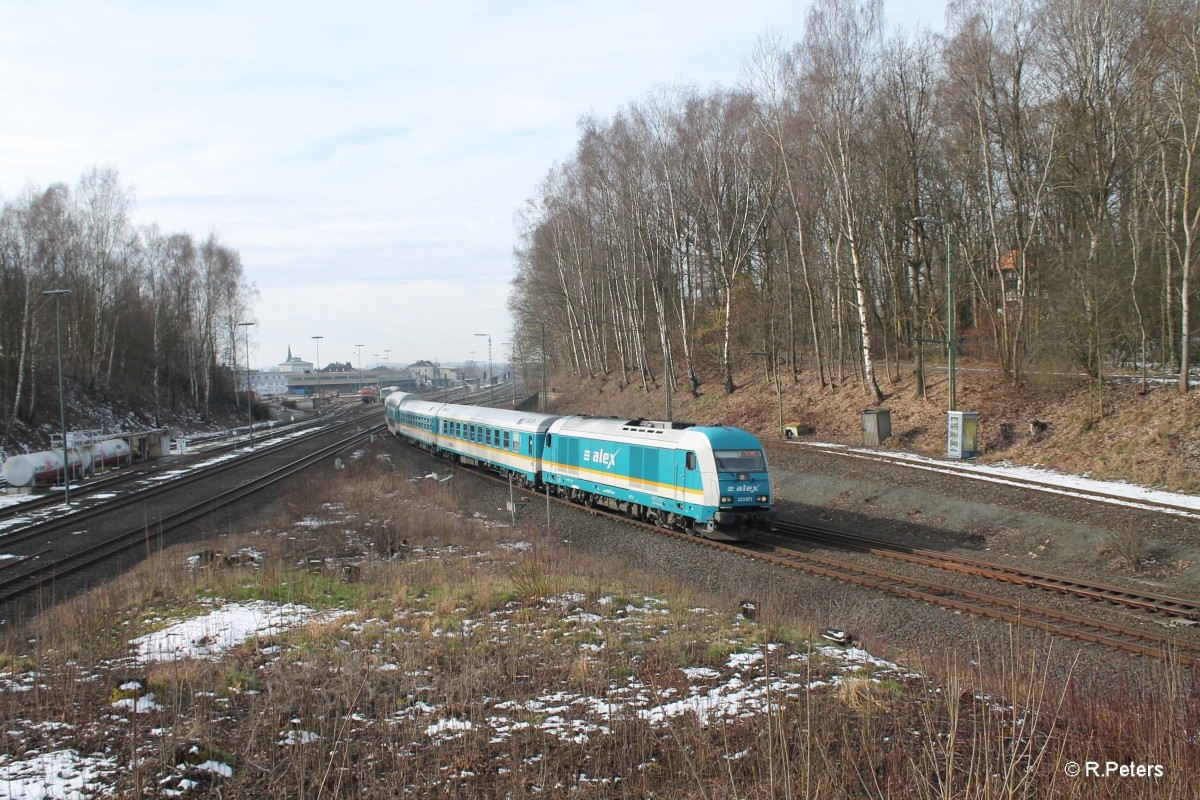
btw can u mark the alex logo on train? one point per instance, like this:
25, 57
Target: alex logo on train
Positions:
742, 488
601, 457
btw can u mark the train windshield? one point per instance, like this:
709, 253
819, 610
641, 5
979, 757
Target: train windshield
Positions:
740, 461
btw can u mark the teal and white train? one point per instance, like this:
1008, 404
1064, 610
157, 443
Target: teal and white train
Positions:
712, 481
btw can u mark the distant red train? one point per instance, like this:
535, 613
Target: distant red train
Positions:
368, 394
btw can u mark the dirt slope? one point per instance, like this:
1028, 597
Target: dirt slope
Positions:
1151, 439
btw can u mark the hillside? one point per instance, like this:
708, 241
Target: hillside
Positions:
1118, 434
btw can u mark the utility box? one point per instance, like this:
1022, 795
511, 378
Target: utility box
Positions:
794, 429
877, 426
962, 434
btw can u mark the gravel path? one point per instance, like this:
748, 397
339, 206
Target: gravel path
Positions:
994, 522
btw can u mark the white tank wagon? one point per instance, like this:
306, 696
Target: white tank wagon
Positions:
47, 466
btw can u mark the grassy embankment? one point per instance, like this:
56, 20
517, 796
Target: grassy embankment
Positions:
469, 664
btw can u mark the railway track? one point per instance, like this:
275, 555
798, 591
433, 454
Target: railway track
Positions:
119, 477
39, 573
1016, 612
1012, 611
80, 514
1145, 502
1116, 595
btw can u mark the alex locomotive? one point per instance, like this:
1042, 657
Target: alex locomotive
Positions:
712, 481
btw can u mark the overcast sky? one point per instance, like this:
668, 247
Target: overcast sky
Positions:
366, 159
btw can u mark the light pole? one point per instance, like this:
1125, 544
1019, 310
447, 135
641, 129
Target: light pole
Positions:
317, 396
62, 403
542, 394
511, 376
249, 405
360, 372
777, 357
487, 376
952, 398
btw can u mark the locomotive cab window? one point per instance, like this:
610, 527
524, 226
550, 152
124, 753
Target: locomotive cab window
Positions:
690, 461
740, 461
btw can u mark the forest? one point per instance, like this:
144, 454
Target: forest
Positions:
151, 318
1021, 185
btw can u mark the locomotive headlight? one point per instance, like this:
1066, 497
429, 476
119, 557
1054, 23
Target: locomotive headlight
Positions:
725, 499
762, 498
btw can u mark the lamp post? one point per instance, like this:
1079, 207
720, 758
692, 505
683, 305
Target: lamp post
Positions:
249, 402
487, 376
317, 396
62, 403
360, 372
511, 376
542, 394
951, 401
776, 358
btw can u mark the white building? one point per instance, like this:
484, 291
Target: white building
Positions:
294, 364
269, 382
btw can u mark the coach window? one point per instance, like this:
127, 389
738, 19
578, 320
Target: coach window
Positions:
489, 436
506, 440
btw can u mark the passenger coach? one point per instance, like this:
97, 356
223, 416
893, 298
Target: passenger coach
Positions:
507, 441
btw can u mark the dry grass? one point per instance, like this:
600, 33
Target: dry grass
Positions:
468, 669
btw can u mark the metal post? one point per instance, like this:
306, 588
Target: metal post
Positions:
487, 376
953, 401
360, 372
542, 394
249, 403
668, 373
317, 396
62, 403
511, 376
951, 378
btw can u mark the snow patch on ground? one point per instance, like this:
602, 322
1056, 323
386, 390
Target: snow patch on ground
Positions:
221, 629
